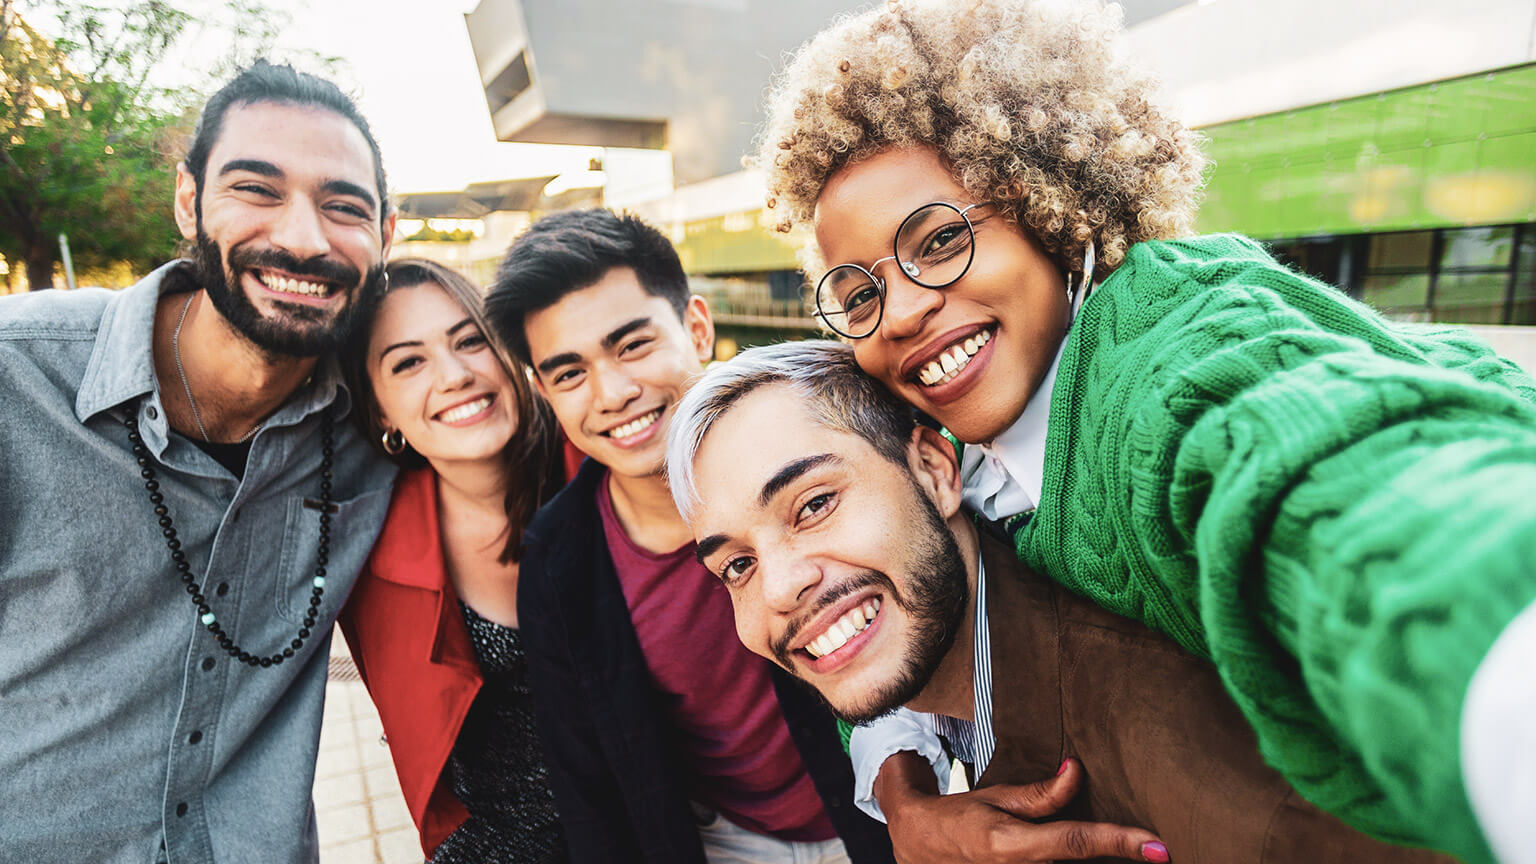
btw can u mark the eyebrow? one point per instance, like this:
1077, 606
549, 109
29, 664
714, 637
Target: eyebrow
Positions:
776, 484
255, 166
347, 187
625, 329
416, 343
267, 169
792, 472
708, 546
550, 364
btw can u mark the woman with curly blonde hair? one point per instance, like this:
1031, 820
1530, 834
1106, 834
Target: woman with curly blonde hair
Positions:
1333, 508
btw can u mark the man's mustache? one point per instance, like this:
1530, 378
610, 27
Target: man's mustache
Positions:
852, 585
321, 268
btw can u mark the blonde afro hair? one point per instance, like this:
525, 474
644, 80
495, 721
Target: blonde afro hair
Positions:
1028, 102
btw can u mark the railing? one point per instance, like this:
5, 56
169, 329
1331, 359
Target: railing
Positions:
747, 312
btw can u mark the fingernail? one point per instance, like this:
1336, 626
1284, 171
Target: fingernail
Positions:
1154, 851
1063, 769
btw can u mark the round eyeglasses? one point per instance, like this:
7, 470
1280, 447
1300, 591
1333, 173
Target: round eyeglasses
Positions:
934, 247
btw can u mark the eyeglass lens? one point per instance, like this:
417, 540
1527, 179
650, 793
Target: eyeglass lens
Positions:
934, 247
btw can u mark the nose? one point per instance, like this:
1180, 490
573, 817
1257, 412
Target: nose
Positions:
299, 231
614, 389
453, 374
908, 305
789, 582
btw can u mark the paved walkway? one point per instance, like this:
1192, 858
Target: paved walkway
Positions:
362, 817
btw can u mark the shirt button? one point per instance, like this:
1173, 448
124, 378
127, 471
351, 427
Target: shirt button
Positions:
195, 737
152, 412
222, 589
207, 664
181, 809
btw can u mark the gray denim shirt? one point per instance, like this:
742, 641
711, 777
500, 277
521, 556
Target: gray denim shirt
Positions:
122, 723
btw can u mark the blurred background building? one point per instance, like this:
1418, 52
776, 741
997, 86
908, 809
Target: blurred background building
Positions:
1385, 146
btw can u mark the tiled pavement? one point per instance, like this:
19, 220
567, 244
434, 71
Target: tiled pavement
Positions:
361, 815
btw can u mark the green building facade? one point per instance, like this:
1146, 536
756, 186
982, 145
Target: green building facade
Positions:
1421, 201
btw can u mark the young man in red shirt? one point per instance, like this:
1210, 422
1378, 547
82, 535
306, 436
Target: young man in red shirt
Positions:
667, 741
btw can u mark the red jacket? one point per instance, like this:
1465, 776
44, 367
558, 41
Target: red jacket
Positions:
410, 644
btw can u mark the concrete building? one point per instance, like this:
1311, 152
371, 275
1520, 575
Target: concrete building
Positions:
1387, 146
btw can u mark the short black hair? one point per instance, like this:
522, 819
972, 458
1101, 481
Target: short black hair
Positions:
568, 251
266, 82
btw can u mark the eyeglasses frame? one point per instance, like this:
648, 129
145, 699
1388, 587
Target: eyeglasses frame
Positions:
880, 284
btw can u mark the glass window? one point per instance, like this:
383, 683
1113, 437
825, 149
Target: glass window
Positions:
1525, 279
1482, 248
1401, 296
1406, 250
1471, 298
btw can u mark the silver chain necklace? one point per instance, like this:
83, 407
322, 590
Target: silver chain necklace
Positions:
187, 388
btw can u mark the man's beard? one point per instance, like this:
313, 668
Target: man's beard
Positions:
936, 600
303, 330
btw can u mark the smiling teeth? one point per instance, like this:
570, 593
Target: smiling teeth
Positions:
636, 426
465, 411
943, 368
844, 628
294, 286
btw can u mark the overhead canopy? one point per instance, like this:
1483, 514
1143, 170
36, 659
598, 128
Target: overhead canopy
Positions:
476, 200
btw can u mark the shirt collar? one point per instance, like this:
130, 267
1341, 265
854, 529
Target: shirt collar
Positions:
122, 366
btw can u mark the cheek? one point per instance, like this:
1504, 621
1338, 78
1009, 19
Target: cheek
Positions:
394, 402
870, 354
751, 629
569, 408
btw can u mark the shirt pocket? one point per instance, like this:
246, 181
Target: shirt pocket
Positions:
300, 554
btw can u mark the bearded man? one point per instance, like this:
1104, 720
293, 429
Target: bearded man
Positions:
183, 505
836, 525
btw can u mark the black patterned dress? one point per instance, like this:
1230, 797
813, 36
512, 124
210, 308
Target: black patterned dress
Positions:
498, 763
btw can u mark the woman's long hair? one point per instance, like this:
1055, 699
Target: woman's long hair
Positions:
535, 470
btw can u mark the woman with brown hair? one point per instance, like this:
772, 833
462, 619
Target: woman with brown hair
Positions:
1333, 508
432, 623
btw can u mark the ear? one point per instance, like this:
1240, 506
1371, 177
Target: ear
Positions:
186, 202
936, 469
389, 234
701, 327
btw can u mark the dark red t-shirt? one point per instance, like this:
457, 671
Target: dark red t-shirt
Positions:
739, 756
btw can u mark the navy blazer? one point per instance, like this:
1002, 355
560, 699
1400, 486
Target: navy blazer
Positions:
614, 761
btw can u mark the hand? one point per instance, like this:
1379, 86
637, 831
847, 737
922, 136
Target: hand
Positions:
991, 825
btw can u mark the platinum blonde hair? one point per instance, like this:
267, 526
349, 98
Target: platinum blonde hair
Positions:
833, 388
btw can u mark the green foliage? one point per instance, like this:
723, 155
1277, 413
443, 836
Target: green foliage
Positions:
89, 137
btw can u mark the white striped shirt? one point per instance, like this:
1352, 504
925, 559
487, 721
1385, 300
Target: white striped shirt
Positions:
973, 743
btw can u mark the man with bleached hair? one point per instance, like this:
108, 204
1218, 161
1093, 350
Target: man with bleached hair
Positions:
836, 523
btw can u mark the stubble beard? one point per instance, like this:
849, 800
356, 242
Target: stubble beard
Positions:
302, 330
935, 600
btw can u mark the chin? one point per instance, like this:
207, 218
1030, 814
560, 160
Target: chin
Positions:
869, 706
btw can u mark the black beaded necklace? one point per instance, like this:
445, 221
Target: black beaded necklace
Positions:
147, 471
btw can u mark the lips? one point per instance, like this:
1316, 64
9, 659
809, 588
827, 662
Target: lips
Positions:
850, 624
284, 284
952, 360
632, 428
465, 410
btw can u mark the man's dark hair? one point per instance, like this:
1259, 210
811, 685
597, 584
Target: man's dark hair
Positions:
566, 252
265, 82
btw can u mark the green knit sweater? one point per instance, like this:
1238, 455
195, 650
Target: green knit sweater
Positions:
1337, 510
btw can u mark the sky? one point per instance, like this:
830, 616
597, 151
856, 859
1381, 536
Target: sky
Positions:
409, 65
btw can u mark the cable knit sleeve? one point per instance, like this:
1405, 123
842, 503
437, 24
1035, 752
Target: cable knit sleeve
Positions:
1338, 511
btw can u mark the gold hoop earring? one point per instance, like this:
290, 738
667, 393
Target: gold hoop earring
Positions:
394, 442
